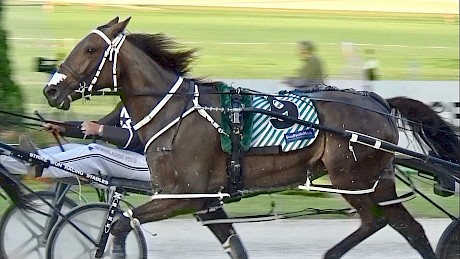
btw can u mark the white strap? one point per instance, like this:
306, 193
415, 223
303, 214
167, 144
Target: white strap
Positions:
98, 72
399, 199
189, 196
310, 187
160, 105
116, 45
163, 130
103, 36
377, 144
131, 135
197, 107
354, 138
205, 114
111, 52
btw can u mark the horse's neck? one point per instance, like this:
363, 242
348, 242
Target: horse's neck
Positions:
144, 83
142, 74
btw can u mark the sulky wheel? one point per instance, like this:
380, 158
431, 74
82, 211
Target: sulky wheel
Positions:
66, 241
22, 233
449, 243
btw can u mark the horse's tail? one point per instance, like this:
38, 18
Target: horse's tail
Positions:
13, 190
429, 128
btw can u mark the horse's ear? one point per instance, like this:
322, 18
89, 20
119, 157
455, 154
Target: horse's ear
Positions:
112, 22
118, 28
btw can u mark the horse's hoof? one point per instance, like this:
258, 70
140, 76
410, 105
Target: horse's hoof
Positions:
118, 252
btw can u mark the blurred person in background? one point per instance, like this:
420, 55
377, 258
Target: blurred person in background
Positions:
353, 63
371, 68
310, 73
413, 69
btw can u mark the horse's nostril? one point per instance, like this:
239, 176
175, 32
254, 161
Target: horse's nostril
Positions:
50, 92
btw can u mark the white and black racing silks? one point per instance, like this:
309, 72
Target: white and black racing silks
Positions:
117, 130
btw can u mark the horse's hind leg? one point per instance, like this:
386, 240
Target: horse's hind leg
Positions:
400, 219
225, 232
371, 222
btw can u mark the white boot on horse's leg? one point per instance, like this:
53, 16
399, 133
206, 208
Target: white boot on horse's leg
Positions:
234, 247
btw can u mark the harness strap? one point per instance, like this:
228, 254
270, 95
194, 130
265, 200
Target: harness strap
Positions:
309, 186
196, 107
205, 114
234, 168
160, 105
167, 127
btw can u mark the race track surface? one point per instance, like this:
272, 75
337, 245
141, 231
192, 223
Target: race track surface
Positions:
283, 239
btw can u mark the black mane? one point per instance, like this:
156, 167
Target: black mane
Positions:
165, 51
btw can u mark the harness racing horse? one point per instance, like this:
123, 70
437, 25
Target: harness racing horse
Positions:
182, 141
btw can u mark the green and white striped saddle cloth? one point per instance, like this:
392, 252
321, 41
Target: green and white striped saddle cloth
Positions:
269, 131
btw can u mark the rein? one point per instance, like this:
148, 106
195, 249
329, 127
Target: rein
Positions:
354, 137
34, 119
37, 126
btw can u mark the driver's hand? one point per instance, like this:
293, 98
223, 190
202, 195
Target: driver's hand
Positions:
53, 128
91, 128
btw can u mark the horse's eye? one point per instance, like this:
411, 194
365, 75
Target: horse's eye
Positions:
90, 50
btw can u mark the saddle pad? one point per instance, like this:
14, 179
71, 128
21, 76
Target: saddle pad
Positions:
269, 131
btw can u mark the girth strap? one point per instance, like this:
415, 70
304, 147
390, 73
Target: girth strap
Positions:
234, 168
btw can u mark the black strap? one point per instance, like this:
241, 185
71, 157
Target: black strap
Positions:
235, 173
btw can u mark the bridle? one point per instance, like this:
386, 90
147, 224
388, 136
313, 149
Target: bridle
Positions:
111, 54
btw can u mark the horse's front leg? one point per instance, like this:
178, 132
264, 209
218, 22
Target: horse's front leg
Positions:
224, 232
151, 211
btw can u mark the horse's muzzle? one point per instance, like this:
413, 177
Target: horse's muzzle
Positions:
55, 99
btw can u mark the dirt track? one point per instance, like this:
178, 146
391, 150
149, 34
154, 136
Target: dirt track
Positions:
413, 6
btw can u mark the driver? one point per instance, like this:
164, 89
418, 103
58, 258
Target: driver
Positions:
126, 160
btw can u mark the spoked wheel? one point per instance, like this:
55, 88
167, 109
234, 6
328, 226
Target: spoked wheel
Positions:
449, 243
66, 241
22, 233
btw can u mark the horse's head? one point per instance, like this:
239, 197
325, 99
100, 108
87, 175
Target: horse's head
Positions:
84, 70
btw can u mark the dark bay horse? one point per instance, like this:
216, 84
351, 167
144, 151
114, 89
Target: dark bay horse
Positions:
185, 157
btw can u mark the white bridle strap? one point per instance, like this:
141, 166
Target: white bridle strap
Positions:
103, 36
111, 52
117, 43
160, 105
